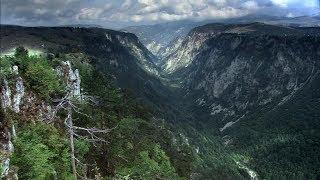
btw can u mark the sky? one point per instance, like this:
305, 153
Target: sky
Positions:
121, 13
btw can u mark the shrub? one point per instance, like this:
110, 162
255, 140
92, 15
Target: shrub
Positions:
41, 153
5, 66
42, 78
21, 52
150, 164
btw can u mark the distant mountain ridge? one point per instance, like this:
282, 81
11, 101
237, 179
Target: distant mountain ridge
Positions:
162, 39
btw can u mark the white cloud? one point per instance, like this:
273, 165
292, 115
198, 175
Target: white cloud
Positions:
126, 4
290, 15
252, 5
312, 3
40, 1
220, 2
40, 11
129, 12
137, 18
89, 14
214, 12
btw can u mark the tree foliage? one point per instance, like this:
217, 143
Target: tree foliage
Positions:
41, 152
135, 141
149, 164
21, 52
42, 78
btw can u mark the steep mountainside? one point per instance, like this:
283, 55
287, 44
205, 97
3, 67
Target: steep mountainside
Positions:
161, 38
194, 42
256, 86
114, 53
61, 105
242, 100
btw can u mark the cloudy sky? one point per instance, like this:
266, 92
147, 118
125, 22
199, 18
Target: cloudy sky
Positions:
120, 13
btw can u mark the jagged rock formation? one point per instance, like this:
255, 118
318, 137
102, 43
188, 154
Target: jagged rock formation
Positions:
25, 102
5, 95
17, 98
73, 78
6, 149
235, 76
14, 101
258, 64
161, 39
186, 50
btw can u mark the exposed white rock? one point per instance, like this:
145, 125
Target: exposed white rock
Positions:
227, 140
59, 71
215, 109
108, 36
265, 101
73, 80
8, 149
201, 102
154, 47
231, 123
166, 51
19, 93
6, 95
184, 56
14, 134
235, 43
46, 113
197, 150
142, 57
77, 82
6, 167
15, 70
253, 175
223, 80
184, 139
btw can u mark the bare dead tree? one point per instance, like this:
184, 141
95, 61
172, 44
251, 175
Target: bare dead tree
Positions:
70, 126
67, 103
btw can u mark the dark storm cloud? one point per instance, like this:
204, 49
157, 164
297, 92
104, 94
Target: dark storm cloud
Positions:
127, 12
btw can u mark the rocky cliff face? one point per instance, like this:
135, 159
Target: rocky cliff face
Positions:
194, 42
234, 69
24, 102
235, 76
116, 54
239, 73
161, 39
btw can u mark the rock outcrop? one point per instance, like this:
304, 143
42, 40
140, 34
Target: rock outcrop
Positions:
17, 99
73, 78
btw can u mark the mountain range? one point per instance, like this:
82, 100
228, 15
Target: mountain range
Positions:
243, 95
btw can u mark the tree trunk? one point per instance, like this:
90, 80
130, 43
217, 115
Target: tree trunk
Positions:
73, 160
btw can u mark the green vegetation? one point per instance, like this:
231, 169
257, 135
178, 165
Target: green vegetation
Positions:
284, 143
136, 146
149, 164
41, 152
38, 73
21, 52
134, 134
42, 78
5, 66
